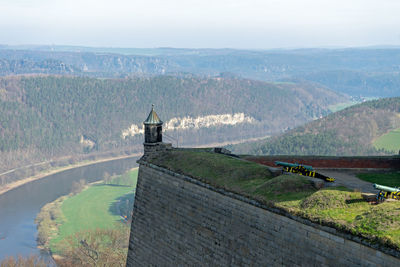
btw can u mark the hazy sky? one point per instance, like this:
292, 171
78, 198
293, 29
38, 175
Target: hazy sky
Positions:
206, 23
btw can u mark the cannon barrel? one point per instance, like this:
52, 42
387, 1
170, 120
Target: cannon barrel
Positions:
386, 188
294, 165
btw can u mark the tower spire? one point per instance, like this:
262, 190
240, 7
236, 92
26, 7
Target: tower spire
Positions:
152, 118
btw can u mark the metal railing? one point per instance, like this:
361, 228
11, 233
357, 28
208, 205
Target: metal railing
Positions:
173, 139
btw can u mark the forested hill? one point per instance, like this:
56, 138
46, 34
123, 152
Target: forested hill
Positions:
351, 131
48, 116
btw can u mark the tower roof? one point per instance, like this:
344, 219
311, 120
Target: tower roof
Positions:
153, 117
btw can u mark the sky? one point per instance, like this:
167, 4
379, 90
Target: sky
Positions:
253, 24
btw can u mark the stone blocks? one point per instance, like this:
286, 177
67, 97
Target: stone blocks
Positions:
178, 221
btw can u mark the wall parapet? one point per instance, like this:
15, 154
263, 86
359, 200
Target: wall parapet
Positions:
342, 162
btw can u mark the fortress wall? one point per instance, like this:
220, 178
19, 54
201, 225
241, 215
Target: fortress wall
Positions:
388, 162
180, 221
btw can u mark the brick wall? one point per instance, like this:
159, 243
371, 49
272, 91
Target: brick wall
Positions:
390, 162
179, 221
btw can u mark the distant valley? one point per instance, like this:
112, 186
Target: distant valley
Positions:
63, 107
62, 100
365, 72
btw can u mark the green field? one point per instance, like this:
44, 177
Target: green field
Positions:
91, 208
340, 106
389, 141
388, 179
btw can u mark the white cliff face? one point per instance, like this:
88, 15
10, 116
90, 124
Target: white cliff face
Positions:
132, 131
86, 142
186, 123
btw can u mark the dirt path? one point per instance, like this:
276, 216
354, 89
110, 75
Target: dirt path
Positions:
349, 180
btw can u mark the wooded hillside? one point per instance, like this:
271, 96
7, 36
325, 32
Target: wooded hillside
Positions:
47, 116
348, 132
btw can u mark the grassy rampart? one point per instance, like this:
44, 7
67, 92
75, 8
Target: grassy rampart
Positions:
337, 207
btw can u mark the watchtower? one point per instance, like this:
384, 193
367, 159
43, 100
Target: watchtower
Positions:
152, 128
153, 134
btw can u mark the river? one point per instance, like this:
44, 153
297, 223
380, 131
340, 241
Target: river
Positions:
19, 207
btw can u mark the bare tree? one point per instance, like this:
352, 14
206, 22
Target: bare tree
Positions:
77, 187
100, 247
107, 178
30, 261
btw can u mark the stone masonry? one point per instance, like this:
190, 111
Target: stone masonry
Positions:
154, 149
179, 221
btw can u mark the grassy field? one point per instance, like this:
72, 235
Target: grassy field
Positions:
389, 142
340, 106
388, 179
337, 207
91, 208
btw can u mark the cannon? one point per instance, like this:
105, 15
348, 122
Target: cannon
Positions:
386, 192
293, 165
305, 170
386, 188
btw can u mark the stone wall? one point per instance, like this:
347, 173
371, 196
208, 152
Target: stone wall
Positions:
154, 149
180, 221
